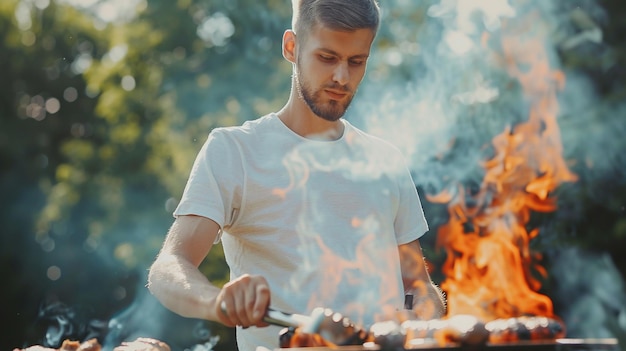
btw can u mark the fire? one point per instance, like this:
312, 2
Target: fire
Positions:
489, 266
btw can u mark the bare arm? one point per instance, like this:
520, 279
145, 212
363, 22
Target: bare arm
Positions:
174, 279
428, 300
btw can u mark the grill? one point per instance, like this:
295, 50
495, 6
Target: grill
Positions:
608, 344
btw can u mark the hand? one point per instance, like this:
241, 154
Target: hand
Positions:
243, 301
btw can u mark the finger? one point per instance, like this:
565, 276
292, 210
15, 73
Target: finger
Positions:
237, 294
246, 308
225, 311
261, 303
243, 315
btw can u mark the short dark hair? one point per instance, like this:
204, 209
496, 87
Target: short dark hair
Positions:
341, 15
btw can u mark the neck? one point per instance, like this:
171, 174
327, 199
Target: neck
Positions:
298, 117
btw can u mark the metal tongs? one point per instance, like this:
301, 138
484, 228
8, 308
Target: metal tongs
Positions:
330, 325
283, 319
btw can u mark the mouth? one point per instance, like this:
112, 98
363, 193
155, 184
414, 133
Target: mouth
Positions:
335, 95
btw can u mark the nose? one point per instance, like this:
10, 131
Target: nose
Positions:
341, 74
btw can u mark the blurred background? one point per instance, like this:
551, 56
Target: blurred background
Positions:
105, 103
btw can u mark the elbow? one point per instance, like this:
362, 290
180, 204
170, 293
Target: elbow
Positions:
155, 277
150, 280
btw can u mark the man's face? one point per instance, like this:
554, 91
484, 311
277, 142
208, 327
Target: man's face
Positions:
329, 67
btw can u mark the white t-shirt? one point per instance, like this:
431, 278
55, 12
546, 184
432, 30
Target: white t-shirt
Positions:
320, 220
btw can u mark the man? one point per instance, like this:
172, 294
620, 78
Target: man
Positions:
312, 212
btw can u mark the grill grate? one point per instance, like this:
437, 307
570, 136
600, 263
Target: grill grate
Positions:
608, 344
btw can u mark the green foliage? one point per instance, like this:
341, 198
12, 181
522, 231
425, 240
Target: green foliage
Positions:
137, 99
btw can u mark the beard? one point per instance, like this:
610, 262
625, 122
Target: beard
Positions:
331, 110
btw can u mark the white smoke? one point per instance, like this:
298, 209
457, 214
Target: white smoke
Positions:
438, 96
590, 288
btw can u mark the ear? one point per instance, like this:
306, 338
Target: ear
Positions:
289, 46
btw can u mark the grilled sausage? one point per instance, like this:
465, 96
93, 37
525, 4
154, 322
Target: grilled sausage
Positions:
295, 337
463, 329
524, 328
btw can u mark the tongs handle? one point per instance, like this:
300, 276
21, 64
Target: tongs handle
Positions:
280, 318
283, 319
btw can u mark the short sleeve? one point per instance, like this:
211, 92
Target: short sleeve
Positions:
410, 223
213, 186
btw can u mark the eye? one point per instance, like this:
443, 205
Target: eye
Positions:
357, 62
327, 58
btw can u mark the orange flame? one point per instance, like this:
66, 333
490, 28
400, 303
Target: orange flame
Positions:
489, 264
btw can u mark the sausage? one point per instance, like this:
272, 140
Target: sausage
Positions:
295, 337
463, 329
389, 335
524, 328
458, 329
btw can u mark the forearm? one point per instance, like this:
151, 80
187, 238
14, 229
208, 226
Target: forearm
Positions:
180, 287
428, 301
